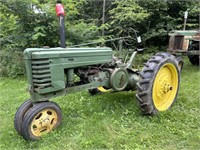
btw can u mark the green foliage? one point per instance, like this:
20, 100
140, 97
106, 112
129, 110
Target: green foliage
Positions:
11, 64
73, 10
126, 14
109, 120
146, 54
82, 33
127, 11
26, 24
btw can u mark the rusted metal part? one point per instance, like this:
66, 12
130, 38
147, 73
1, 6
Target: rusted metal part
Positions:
185, 53
180, 39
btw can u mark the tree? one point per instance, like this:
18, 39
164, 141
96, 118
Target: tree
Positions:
164, 17
126, 14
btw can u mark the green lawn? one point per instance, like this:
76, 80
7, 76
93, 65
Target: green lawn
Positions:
110, 120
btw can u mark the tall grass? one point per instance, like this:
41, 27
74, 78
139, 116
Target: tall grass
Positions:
110, 120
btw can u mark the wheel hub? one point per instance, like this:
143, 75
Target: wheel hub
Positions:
44, 122
165, 88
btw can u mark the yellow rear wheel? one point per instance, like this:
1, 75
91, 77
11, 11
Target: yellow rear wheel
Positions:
165, 86
158, 86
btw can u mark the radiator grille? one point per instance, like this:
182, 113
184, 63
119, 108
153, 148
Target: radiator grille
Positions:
41, 73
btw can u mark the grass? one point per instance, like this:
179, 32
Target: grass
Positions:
110, 120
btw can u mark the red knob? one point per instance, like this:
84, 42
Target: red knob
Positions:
59, 9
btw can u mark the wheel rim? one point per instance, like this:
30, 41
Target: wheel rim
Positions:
44, 122
165, 87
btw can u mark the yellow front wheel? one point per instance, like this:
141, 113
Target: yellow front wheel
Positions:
159, 83
40, 119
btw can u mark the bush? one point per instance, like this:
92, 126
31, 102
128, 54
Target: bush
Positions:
11, 64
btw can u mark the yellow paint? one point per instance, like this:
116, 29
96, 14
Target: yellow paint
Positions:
44, 122
165, 87
101, 89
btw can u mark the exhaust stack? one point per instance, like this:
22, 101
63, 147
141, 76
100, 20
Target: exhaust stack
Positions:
61, 14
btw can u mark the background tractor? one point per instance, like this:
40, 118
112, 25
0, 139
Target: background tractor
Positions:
186, 43
52, 72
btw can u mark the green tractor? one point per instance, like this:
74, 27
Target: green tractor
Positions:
52, 72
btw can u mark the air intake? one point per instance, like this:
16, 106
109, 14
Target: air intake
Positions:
41, 73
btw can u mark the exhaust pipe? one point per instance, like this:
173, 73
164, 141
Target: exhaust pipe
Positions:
61, 14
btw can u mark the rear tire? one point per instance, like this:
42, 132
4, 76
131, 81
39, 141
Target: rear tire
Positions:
180, 62
194, 59
158, 86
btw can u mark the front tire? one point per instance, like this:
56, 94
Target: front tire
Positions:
158, 86
42, 118
19, 115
